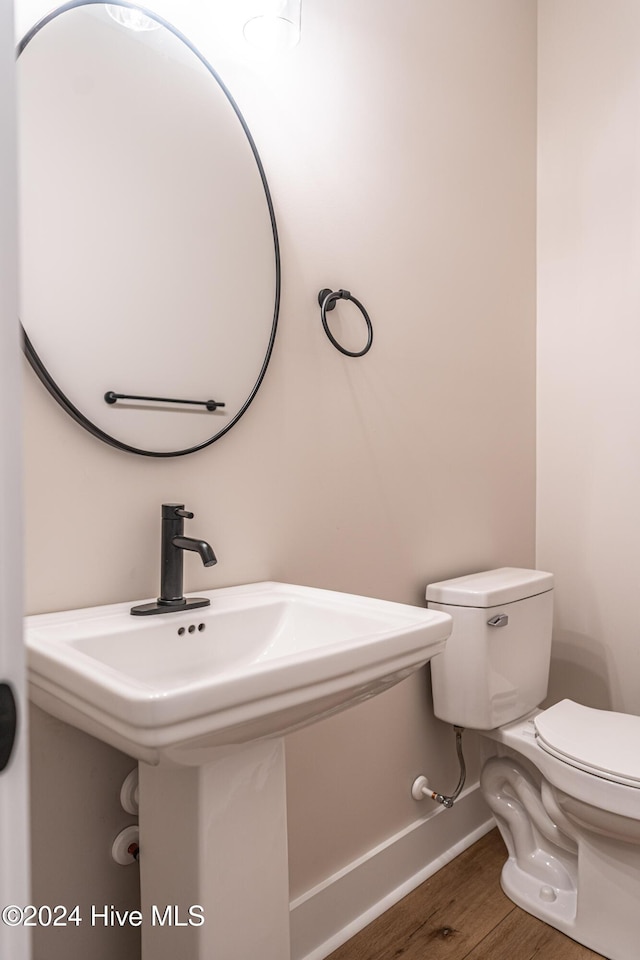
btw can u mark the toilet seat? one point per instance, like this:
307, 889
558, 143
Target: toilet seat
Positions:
599, 742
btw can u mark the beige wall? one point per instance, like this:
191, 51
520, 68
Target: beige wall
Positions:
589, 343
399, 143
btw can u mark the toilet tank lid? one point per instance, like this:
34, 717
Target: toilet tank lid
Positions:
491, 587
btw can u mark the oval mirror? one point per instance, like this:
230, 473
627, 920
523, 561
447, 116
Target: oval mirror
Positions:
150, 265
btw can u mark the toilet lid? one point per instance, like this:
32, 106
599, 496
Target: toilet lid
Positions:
601, 742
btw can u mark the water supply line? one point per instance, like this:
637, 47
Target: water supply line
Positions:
421, 789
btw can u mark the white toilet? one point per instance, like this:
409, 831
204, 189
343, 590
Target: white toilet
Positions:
563, 783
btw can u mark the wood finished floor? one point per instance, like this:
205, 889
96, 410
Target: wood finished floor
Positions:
461, 913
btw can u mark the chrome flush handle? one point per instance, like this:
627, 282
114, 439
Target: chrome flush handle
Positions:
500, 620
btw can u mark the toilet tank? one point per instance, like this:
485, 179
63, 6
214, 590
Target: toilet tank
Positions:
495, 666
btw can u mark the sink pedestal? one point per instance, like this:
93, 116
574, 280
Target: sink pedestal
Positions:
216, 836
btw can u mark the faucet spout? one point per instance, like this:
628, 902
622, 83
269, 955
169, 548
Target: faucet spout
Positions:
201, 547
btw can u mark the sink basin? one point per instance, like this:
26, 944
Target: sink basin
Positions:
262, 660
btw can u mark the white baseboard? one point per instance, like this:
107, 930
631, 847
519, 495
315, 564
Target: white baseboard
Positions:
335, 910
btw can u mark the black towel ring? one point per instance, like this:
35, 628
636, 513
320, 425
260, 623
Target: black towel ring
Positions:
327, 300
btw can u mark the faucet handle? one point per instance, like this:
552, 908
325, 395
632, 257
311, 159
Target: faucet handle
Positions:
184, 513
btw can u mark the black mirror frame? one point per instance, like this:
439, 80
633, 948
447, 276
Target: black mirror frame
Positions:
36, 363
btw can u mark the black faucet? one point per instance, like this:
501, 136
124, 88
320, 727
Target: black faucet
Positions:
174, 543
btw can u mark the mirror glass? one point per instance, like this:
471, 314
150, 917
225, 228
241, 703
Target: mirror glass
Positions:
150, 264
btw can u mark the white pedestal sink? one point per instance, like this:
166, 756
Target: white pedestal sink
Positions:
203, 699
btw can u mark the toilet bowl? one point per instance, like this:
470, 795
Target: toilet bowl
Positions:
563, 783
